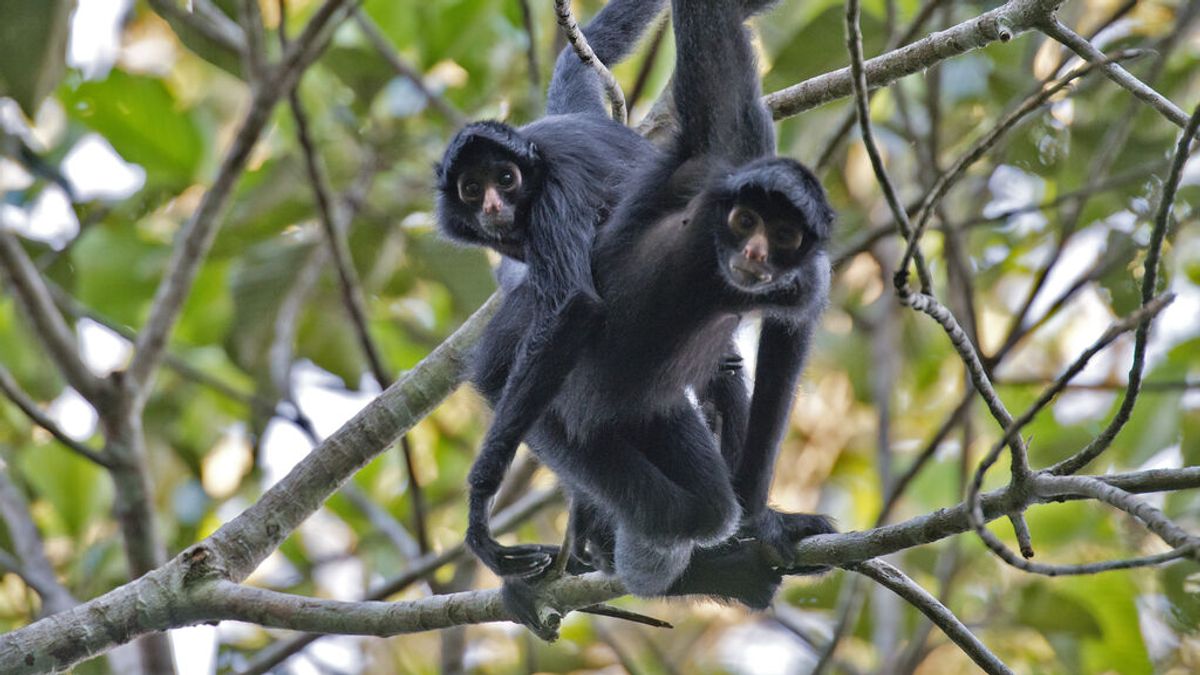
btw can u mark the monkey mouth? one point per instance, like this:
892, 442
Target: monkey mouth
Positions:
748, 273
499, 227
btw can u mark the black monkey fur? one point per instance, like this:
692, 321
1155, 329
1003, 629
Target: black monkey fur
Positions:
622, 434
621, 430
573, 162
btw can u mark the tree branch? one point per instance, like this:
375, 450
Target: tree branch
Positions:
34, 568
197, 235
616, 98
57, 338
378, 40
27, 405
1003, 23
1088, 52
897, 582
1149, 283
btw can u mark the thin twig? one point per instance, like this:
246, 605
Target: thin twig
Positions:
10, 387
859, 81
34, 567
896, 581
901, 484
894, 41
616, 98
380, 41
254, 53
1100, 167
220, 33
57, 338
1149, 282
980, 147
1136, 320
979, 378
531, 52
647, 67
1088, 52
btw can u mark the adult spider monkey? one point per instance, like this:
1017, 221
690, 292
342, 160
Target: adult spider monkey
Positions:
713, 228
537, 194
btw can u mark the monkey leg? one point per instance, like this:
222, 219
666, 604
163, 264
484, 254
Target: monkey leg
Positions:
664, 485
735, 570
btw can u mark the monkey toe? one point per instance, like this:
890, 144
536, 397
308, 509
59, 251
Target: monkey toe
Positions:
778, 533
522, 561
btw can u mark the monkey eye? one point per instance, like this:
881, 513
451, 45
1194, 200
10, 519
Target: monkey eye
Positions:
787, 238
469, 189
509, 178
743, 221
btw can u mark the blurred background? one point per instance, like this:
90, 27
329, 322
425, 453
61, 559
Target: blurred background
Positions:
115, 116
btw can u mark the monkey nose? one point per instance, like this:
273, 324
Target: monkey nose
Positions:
755, 253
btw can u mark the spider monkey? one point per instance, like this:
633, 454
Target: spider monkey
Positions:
707, 231
718, 227
537, 194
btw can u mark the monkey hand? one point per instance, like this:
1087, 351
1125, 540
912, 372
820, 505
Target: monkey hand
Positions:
778, 533
731, 362
526, 560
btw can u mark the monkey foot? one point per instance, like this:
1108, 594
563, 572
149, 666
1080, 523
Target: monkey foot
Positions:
526, 560
778, 533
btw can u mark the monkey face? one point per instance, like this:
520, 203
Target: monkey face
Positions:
761, 243
491, 188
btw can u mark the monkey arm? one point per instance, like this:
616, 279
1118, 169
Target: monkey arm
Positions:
716, 86
543, 360
782, 349
612, 34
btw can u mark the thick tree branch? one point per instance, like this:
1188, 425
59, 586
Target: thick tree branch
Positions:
187, 590
421, 568
1003, 24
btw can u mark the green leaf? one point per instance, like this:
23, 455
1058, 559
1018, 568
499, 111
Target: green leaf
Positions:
144, 122
260, 281
1061, 618
33, 49
79, 491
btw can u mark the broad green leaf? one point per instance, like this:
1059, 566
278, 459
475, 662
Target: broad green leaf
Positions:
33, 49
259, 282
117, 271
144, 122
79, 491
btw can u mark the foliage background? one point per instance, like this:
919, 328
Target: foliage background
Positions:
168, 105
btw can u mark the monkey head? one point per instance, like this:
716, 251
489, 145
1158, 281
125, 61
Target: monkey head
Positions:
771, 217
485, 182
